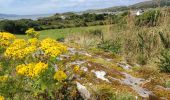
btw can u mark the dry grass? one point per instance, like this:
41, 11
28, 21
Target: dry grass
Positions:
138, 44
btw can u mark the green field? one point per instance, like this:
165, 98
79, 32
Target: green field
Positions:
61, 33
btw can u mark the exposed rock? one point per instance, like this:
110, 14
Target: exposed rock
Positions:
100, 75
130, 80
124, 65
77, 63
64, 56
72, 51
56, 67
158, 87
85, 53
135, 85
84, 69
83, 91
108, 59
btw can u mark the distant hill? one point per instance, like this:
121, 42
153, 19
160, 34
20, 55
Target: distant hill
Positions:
141, 5
151, 4
7, 15
16, 17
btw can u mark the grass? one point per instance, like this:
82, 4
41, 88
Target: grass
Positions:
62, 33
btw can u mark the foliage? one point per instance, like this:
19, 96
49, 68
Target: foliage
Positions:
109, 45
32, 33
6, 39
18, 26
60, 21
168, 84
165, 38
28, 69
149, 18
164, 63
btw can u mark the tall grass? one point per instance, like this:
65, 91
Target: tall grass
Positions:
139, 44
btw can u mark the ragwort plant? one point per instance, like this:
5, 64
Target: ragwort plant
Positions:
28, 69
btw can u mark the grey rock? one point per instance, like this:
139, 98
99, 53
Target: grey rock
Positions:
83, 91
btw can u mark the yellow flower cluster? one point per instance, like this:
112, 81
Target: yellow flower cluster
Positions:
32, 33
2, 98
52, 48
6, 39
3, 78
32, 69
19, 49
33, 41
76, 69
60, 76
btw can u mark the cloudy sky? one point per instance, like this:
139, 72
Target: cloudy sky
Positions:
26, 7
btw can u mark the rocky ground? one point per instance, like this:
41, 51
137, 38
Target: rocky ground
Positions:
104, 72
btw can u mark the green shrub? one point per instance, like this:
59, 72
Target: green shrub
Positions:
149, 18
164, 63
110, 45
165, 39
96, 32
168, 84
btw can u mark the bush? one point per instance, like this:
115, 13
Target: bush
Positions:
113, 46
96, 32
149, 18
164, 63
19, 26
28, 69
165, 39
167, 84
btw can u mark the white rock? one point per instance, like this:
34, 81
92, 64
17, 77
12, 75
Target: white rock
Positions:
84, 69
135, 83
86, 54
100, 75
124, 65
77, 63
83, 91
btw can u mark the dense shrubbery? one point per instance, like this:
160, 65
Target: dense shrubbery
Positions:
165, 61
61, 21
149, 18
110, 45
19, 26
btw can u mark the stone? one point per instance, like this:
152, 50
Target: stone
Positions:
84, 69
83, 91
124, 65
101, 75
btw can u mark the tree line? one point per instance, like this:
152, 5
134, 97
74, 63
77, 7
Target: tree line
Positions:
69, 20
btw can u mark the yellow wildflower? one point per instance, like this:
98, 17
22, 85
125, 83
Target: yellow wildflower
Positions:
32, 69
52, 48
32, 33
19, 49
60, 76
76, 69
33, 41
2, 98
3, 78
5, 39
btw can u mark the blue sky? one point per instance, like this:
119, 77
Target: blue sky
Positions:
27, 7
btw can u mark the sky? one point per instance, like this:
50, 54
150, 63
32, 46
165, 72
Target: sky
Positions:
29, 7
